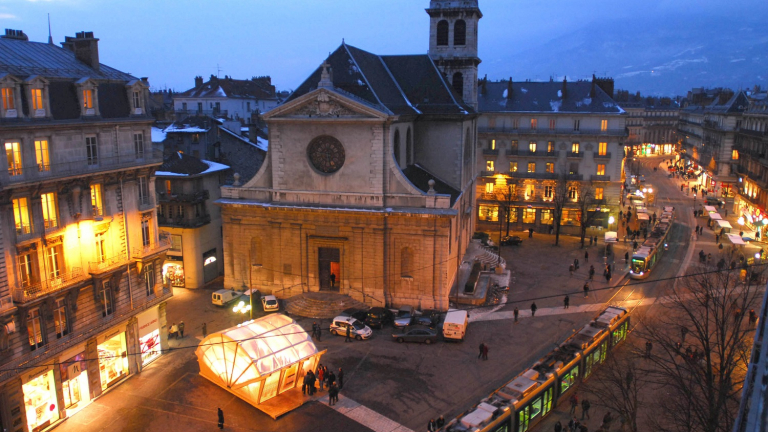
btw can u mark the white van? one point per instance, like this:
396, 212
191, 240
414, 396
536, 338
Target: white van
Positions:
455, 324
224, 296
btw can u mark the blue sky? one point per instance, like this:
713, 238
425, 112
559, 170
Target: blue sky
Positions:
171, 41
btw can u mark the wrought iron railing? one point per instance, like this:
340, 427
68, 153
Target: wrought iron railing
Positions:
164, 243
23, 294
107, 264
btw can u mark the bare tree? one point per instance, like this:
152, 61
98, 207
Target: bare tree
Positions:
617, 386
701, 340
559, 199
505, 196
585, 199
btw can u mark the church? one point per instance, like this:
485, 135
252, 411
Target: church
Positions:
367, 187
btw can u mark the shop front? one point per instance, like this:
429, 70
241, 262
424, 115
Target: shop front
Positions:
40, 402
113, 357
74, 380
750, 217
149, 335
173, 271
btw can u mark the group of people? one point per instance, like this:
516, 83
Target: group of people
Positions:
323, 377
575, 425
176, 331
435, 425
316, 331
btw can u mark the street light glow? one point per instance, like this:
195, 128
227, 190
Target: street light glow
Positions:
740, 221
611, 220
241, 307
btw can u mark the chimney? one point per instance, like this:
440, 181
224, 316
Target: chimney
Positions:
198, 81
85, 47
509, 89
565, 87
15, 34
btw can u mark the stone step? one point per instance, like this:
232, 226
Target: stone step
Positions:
320, 305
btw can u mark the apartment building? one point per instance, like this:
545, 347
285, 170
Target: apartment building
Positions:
227, 98
82, 305
751, 151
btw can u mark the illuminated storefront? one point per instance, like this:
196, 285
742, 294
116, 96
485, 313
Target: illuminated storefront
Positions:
149, 336
40, 400
74, 383
259, 360
173, 271
113, 358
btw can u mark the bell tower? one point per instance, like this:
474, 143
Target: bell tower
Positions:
453, 43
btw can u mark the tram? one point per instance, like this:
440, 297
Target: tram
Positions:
653, 248
528, 398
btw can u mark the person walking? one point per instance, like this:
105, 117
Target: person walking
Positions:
585, 405
340, 376
607, 420
571, 268
576, 263
311, 383
586, 256
595, 240
626, 257
349, 334
331, 378
431, 425
205, 330
440, 422
181, 329
321, 376
574, 403
305, 384
566, 302
480, 353
319, 331
648, 348
221, 418
586, 289
333, 395
608, 275
174, 331
314, 330
558, 427
530, 232
516, 312
533, 309
591, 272
333, 279
485, 351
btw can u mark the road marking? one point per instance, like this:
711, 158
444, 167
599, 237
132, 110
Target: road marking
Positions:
364, 415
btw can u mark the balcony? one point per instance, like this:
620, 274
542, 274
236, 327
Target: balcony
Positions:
604, 156
751, 132
709, 124
538, 153
184, 222
40, 289
490, 151
193, 197
513, 152
556, 131
78, 167
600, 177
153, 248
25, 232
146, 203
534, 175
108, 264
575, 155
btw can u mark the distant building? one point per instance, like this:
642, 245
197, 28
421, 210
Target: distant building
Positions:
186, 190
532, 135
651, 124
226, 98
160, 105
82, 305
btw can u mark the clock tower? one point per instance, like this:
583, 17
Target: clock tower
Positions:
453, 44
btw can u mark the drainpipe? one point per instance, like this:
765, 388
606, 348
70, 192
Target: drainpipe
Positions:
127, 245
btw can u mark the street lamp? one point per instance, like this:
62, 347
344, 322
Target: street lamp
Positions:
611, 220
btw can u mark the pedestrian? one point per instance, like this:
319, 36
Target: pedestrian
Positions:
586, 289
571, 268
485, 351
558, 427
480, 353
311, 383
566, 302
585, 408
314, 330
608, 275
574, 403
576, 263
321, 376
591, 272
174, 331
340, 376
590, 240
586, 256
349, 335
573, 424
333, 394
516, 312
331, 377
333, 279
595, 240
440, 422
221, 418
634, 246
431, 425
533, 309
648, 348
530, 232
181, 329
205, 330
626, 257
607, 420
319, 331
305, 383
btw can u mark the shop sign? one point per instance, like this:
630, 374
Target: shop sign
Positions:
149, 335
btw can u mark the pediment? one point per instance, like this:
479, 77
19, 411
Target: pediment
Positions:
8, 79
325, 104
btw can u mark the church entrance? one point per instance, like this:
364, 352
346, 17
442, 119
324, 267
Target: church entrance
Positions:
329, 268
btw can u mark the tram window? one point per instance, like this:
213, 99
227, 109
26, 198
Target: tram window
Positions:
593, 359
603, 350
638, 265
523, 417
547, 406
535, 408
569, 379
503, 428
620, 333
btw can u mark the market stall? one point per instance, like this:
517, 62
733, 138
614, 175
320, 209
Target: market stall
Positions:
262, 361
723, 227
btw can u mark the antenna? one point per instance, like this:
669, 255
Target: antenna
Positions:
50, 38
218, 70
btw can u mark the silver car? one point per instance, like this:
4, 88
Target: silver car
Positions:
403, 317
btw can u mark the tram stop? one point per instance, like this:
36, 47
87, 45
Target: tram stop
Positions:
262, 361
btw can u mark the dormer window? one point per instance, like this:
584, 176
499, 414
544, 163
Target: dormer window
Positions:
137, 102
88, 101
38, 96
136, 89
9, 101
9, 93
89, 97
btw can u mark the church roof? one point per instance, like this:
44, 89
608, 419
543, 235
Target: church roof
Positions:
421, 177
531, 96
400, 85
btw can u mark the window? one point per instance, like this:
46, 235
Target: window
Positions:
515, 123
101, 247
149, 278
551, 124
513, 167
574, 168
575, 147
145, 235
489, 187
199, 107
35, 329
195, 138
603, 125
21, 216
136, 99
546, 216
513, 146
529, 215
576, 125
60, 318
97, 204
532, 146
88, 99
41, 155
184, 106
50, 219
531, 167
442, 33
143, 185
600, 169
9, 102
493, 144
573, 193
37, 99
488, 213
550, 146
13, 156
54, 260
105, 298
138, 144
175, 243
569, 379
735, 155
530, 191
602, 148
91, 150
489, 165
248, 106
549, 192
550, 167
598, 193
27, 269
218, 107
460, 32
570, 217
534, 124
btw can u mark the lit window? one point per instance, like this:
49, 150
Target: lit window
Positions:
489, 165
101, 247
550, 167
49, 210
60, 318
13, 156
513, 167
493, 144
489, 187
573, 193
546, 217
146, 237
27, 269
21, 216
41, 155
534, 124
96, 200
550, 146
549, 192
35, 329
532, 146
602, 148
600, 169
513, 145
55, 261
603, 125
530, 191
37, 99
575, 147
599, 193
529, 215
531, 167
88, 99
488, 213
735, 155
9, 102
570, 217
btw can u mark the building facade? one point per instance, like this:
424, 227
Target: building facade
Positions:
226, 98
536, 135
81, 303
651, 125
187, 187
751, 148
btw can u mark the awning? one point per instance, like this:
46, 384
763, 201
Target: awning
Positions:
723, 224
641, 209
736, 239
643, 216
715, 216
611, 237
710, 209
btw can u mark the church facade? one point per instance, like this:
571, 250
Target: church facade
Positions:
368, 185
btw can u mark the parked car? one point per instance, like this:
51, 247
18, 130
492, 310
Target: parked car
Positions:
270, 304
378, 317
416, 334
511, 240
358, 330
429, 318
358, 314
403, 317
714, 201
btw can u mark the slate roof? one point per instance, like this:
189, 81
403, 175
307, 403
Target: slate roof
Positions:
181, 163
24, 58
400, 85
545, 97
421, 177
257, 88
